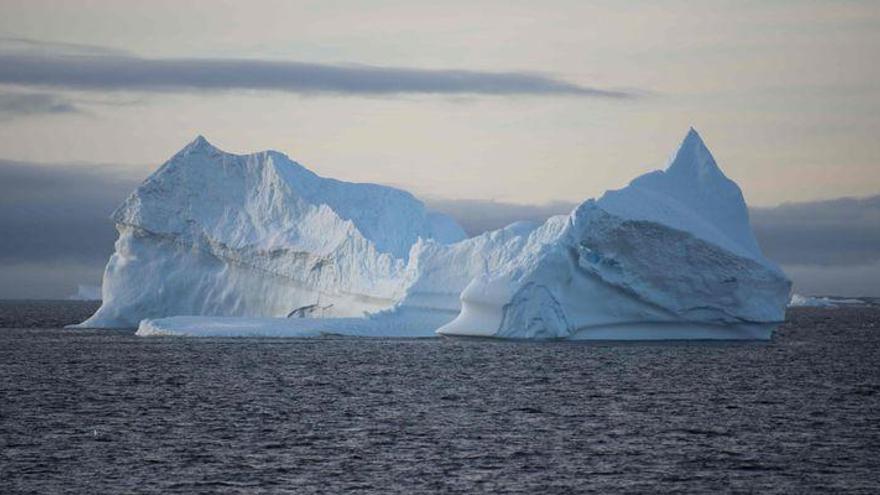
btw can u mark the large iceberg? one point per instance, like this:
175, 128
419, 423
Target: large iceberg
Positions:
221, 244
213, 233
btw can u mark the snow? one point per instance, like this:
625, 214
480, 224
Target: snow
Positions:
223, 245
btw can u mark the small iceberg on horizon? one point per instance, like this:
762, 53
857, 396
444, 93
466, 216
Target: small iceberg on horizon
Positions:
801, 301
86, 293
217, 244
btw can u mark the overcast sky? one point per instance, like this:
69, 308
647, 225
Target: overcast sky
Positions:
486, 103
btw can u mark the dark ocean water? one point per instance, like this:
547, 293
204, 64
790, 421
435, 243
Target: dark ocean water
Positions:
107, 412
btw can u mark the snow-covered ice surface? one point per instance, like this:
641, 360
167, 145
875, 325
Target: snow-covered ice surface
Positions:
257, 245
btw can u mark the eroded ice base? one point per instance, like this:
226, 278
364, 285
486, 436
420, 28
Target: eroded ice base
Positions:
206, 326
202, 326
407, 322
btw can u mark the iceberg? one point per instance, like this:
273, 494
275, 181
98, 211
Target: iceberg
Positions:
216, 244
213, 233
670, 256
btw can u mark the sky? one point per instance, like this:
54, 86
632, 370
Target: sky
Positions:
488, 110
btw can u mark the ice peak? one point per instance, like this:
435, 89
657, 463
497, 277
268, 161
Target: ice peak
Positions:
692, 137
692, 195
199, 144
693, 157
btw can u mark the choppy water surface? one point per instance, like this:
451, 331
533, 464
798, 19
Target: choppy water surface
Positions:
107, 412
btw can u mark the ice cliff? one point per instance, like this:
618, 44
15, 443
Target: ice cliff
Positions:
211, 236
213, 233
671, 256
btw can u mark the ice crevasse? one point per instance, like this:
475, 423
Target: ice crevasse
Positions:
218, 244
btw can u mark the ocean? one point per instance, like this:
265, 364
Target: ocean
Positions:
87, 411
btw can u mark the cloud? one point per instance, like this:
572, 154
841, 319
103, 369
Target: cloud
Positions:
836, 280
48, 279
477, 216
55, 225
59, 212
27, 45
119, 71
843, 231
15, 104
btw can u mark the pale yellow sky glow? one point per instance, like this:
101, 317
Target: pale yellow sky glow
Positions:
786, 94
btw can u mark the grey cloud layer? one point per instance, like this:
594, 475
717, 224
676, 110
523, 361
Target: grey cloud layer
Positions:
59, 212
477, 216
17, 104
33, 46
124, 72
843, 231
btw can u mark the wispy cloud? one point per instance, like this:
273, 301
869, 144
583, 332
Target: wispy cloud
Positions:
118, 71
16, 104
477, 216
32, 46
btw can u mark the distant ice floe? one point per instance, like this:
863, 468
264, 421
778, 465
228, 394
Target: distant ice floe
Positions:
799, 301
86, 293
217, 244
